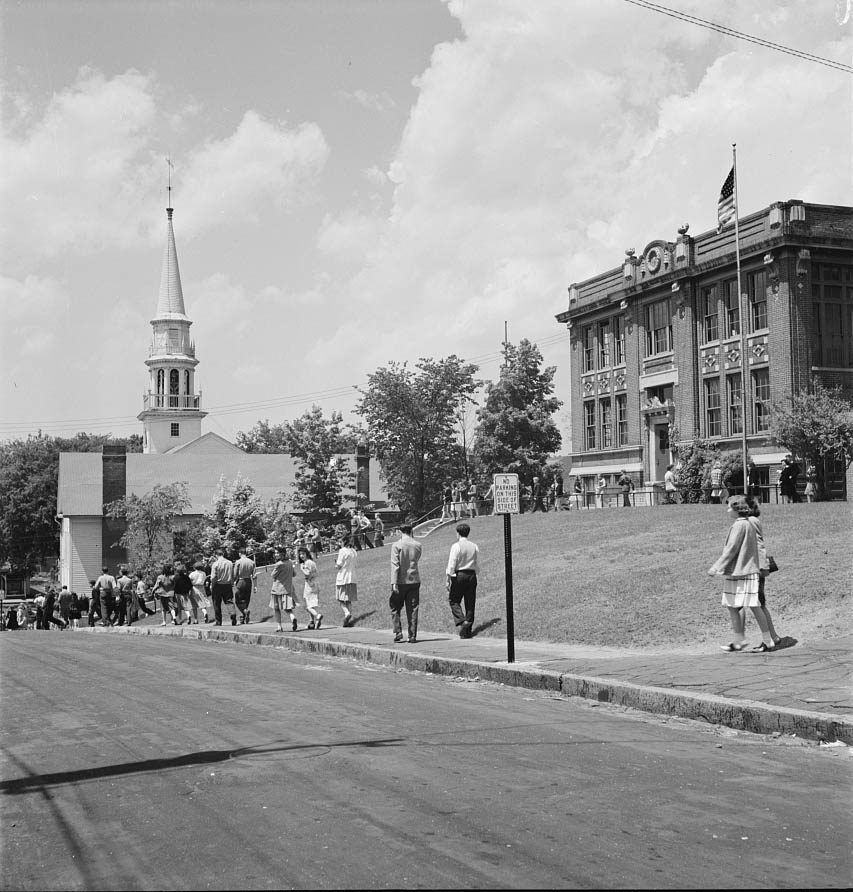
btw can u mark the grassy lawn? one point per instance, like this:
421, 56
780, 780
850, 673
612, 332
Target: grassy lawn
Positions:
622, 577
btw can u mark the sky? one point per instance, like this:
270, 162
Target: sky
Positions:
360, 182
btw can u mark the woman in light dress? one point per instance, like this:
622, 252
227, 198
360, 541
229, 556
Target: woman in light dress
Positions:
198, 595
345, 585
281, 593
311, 592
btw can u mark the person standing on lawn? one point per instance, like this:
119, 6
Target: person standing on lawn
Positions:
670, 486
626, 484
740, 567
538, 496
405, 583
346, 590
462, 569
600, 486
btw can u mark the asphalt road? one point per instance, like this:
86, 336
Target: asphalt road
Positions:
146, 763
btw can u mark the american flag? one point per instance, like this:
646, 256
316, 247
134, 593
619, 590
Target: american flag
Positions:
726, 204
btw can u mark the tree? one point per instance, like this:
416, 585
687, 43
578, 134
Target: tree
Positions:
29, 484
411, 419
516, 433
264, 438
694, 459
815, 426
235, 520
151, 521
314, 442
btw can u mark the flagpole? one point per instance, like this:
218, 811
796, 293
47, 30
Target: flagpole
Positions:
743, 319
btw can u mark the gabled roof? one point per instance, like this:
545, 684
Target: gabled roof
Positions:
170, 302
208, 444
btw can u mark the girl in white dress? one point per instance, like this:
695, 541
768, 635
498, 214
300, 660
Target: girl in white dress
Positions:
311, 592
198, 596
345, 586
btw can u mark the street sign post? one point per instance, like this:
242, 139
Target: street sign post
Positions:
507, 502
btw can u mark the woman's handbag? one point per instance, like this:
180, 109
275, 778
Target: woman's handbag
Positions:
772, 565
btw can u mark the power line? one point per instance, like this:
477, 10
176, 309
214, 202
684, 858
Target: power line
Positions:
740, 35
103, 423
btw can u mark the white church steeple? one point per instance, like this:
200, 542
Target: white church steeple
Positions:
171, 409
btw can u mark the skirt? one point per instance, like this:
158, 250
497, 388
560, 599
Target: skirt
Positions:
742, 591
346, 592
311, 596
282, 601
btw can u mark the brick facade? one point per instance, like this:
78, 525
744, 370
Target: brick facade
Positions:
661, 336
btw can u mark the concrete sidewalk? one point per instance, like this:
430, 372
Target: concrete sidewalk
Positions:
803, 690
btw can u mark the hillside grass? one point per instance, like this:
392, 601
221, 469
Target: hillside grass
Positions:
620, 577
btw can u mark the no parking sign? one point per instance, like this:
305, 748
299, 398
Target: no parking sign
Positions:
507, 502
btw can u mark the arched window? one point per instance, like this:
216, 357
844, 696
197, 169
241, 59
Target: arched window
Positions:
161, 388
174, 388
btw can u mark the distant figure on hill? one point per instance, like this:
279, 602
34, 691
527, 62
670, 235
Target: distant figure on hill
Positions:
538, 496
670, 486
788, 480
447, 503
559, 494
811, 483
626, 484
600, 486
716, 483
462, 569
578, 493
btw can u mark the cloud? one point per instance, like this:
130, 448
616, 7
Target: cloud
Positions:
262, 162
380, 102
70, 178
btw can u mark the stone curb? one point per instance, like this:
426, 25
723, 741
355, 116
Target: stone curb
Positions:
742, 715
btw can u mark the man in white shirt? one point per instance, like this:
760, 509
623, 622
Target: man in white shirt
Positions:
106, 584
462, 568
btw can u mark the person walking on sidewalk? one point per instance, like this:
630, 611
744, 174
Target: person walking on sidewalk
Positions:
405, 583
222, 587
462, 569
281, 592
346, 590
778, 641
244, 579
164, 589
311, 592
739, 565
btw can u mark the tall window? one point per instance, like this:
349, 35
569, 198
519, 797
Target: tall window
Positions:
588, 349
713, 420
606, 420
161, 381
761, 399
622, 420
174, 388
756, 292
604, 344
833, 316
175, 429
619, 339
710, 329
187, 389
735, 399
658, 328
589, 424
732, 302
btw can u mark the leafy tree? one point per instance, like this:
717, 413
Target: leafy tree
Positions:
411, 415
151, 521
816, 426
314, 442
264, 438
235, 520
693, 467
516, 433
29, 484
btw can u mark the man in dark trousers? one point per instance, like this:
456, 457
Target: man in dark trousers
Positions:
462, 568
405, 583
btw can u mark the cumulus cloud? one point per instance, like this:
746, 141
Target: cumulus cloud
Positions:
375, 101
231, 179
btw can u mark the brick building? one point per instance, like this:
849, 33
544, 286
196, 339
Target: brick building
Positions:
656, 342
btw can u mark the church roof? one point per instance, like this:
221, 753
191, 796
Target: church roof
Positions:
170, 302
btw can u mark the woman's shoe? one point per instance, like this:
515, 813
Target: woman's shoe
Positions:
319, 619
763, 648
733, 647
294, 625
279, 629
310, 625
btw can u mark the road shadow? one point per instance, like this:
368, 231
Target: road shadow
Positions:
38, 782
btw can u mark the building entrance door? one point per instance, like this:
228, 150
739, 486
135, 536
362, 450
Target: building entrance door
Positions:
659, 450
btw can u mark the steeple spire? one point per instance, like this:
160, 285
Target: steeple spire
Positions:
171, 409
